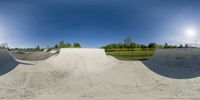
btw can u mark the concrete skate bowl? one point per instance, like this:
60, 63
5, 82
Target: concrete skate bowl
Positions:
32, 56
71, 71
89, 74
179, 63
7, 62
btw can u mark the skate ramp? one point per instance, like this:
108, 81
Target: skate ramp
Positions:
88, 74
83, 57
7, 62
72, 71
177, 63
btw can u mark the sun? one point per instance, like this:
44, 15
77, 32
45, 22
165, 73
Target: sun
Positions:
190, 32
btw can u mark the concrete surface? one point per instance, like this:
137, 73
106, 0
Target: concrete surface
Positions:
32, 56
89, 74
178, 63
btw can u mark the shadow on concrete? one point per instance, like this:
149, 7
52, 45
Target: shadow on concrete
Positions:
170, 71
7, 62
7, 67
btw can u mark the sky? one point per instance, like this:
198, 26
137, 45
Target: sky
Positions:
94, 23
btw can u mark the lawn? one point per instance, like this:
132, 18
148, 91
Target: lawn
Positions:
131, 55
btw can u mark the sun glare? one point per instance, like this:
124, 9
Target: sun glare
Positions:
190, 32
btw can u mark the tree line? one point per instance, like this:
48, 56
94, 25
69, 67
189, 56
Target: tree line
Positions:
58, 45
37, 48
166, 45
128, 43
62, 44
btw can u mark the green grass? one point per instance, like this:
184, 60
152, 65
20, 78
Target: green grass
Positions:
131, 55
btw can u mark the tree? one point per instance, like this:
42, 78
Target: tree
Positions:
61, 44
166, 45
76, 45
138, 46
143, 46
159, 46
115, 45
152, 45
38, 47
68, 45
180, 46
121, 45
186, 46
128, 41
55, 46
133, 45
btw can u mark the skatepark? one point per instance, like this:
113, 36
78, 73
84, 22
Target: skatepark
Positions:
89, 74
99, 50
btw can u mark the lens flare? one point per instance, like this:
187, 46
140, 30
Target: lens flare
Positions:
190, 32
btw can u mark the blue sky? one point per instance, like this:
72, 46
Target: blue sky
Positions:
93, 23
